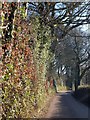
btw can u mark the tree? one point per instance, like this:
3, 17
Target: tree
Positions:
73, 54
68, 15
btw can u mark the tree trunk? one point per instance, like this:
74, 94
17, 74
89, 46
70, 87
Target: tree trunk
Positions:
77, 77
78, 74
58, 73
76, 85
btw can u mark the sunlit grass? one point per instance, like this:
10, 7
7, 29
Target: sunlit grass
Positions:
84, 86
61, 88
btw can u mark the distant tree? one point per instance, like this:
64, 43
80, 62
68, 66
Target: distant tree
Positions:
72, 56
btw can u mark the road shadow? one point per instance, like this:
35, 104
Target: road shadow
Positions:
83, 95
63, 107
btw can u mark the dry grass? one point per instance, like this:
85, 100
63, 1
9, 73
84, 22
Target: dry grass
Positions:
44, 110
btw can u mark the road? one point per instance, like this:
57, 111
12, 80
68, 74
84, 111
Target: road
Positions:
64, 105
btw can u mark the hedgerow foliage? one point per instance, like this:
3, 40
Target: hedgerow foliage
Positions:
25, 61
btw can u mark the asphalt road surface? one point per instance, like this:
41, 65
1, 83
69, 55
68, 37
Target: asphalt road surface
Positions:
64, 105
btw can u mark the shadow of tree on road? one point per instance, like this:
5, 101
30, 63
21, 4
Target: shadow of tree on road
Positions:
65, 106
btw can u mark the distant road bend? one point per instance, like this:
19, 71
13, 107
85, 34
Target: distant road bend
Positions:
65, 106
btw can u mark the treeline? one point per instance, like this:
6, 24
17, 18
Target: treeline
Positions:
73, 59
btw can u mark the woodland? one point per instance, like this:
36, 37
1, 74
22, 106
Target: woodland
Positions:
39, 42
